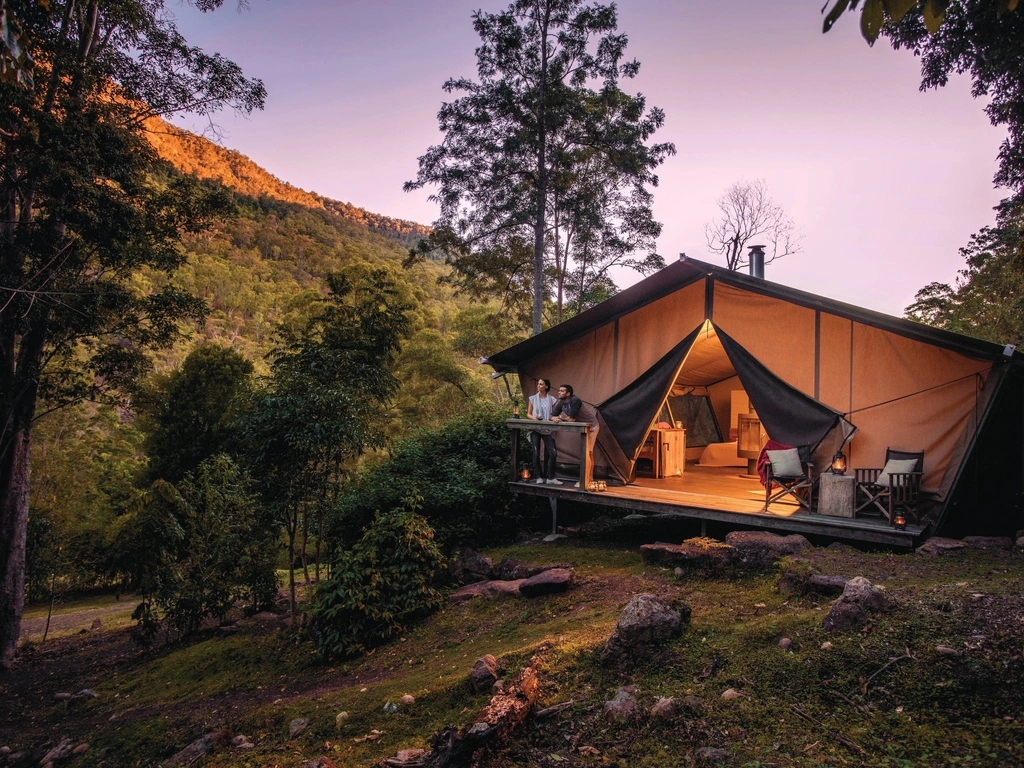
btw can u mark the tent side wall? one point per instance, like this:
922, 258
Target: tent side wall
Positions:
612, 356
900, 392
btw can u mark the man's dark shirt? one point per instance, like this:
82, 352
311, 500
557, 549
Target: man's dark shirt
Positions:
570, 407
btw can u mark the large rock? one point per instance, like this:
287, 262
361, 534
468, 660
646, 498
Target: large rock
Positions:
204, 745
845, 616
865, 594
710, 557
484, 674
622, 704
488, 589
937, 545
512, 570
989, 542
824, 584
665, 709
547, 582
62, 750
645, 623
860, 597
760, 549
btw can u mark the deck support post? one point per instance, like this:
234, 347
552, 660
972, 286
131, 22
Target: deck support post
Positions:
554, 513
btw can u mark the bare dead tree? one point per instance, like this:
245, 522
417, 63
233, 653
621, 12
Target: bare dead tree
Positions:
748, 214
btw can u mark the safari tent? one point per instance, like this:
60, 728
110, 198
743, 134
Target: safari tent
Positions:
686, 344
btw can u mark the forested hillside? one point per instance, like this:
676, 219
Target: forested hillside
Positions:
261, 271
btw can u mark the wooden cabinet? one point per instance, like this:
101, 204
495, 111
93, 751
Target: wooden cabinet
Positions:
663, 454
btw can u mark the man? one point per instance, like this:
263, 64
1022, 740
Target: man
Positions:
571, 408
539, 409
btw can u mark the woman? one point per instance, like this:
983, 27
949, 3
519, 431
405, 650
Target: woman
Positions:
539, 409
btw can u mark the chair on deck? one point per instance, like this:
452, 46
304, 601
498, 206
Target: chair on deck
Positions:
788, 473
897, 485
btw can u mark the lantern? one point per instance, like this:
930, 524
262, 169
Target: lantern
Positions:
899, 521
525, 473
838, 464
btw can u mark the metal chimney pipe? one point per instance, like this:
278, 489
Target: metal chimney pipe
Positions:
756, 258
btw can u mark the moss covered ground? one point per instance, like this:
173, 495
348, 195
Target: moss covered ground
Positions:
880, 696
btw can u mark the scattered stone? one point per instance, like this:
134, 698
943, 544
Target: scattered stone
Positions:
938, 545
785, 643
488, 589
622, 704
1020, 542
97, 623
554, 537
264, 616
320, 762
731, 693
838, 546
5, 751
679, 572
81, 749
645, 623
694, 704
945, 650
408, 700
484, 674
340, 719
62, 750
406, 758
498, 687
665, 709
204, 745
83, 695
712, 557
826, 646
547, 582
761, 549
62, 696
988, 542
297, 726
711, 755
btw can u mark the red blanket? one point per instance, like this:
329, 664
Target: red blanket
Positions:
762, 459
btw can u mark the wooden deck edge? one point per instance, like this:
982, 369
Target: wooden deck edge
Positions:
837, 528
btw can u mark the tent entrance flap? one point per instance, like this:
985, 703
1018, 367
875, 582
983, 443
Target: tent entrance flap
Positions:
709, 361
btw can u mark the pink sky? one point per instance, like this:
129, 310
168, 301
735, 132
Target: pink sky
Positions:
885, 183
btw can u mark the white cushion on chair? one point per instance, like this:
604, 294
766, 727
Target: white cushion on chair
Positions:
786, 463
895, 467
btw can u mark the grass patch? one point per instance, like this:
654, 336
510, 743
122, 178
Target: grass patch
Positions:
803, 706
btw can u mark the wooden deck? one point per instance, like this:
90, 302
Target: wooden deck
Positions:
720, 494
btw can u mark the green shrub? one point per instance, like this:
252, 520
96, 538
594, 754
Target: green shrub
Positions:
194, 549
459, 470
378, 587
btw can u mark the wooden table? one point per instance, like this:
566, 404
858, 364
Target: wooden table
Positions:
836, 495
580, 427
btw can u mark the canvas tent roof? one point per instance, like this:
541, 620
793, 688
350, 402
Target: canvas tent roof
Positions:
903, 384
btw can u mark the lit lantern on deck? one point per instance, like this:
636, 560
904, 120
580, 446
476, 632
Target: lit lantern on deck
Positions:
525, 474
899, 521
838, 464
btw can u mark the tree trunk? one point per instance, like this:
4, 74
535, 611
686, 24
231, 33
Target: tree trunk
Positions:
539, 226
14, 486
